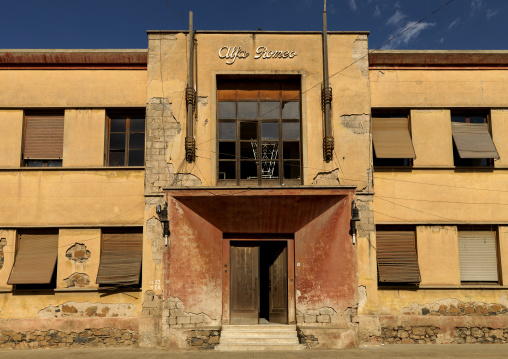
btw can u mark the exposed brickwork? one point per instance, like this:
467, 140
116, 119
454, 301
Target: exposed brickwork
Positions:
409, 335
322, 315
457, 308
78, 253
79, 280
152, 305
56, 339
366, 224
175, 316
481, 335
203, 339
3, 242
327, 178
87, 310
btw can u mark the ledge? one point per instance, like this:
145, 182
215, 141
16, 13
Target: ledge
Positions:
448, 287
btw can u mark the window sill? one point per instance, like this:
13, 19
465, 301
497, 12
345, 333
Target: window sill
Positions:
104, 168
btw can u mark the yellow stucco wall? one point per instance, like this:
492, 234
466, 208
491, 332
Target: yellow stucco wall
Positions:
438, 88
438, 255
73, 88
499, 128
503, 250
432, 148
84, 137
11, 136
80, 197
350, 88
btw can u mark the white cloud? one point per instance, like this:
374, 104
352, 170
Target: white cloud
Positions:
441, 40
396, 18
408, 35
454, 23
476, 5
490, 13
352, 5
397, 4
377, 12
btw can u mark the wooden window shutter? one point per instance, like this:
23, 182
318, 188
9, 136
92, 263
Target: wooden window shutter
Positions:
35, 259
478, 256
391, 138
473, 140
397, 261
43, 137
121, 255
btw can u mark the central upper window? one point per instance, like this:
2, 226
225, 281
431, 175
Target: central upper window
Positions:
259, 131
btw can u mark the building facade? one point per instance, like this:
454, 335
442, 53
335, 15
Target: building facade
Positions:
155, 201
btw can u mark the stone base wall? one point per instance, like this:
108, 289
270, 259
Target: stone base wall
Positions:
56, 339
409, 335
203, 339
480, 335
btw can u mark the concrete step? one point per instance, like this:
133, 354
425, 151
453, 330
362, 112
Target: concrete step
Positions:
260, 339
259, 327
257, 347
258, 335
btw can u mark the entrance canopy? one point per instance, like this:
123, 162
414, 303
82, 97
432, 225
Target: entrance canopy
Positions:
261, 210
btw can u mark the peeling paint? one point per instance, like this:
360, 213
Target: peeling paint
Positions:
87, 310
3, 243
78, 253
358, 123
454, 307
330, 178
362, 296
76, 279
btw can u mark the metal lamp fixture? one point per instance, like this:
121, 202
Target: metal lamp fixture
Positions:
355, 217
163, 218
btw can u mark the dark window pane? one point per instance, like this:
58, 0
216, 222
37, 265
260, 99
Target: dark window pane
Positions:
118, 124
291, 150
227, 110
248, 130
269, 131
117, 141
270, 169
291, 131
291, 110
248, 170
269, 110
476, 119
34, 163
137, 141
227, 131
117, 158
248, 110
458, 118
137, 158
227, 170
227, 150
55, 163
137, 125
248, 150
270, 150
291, 169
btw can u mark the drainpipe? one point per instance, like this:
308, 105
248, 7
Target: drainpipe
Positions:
326, 97
190, 96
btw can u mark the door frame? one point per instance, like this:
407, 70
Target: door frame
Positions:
226, 243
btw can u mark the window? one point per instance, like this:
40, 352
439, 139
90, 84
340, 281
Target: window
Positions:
478, 257
35, 261
259, 131
473, 145
43, 140
391, 139
397, 259
126, 144
121, 254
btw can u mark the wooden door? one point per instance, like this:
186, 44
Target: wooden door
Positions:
278, 286
244, 283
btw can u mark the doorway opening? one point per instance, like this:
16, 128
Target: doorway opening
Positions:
259, 282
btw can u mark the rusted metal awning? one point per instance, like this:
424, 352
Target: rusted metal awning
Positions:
473, 140
44, 137
35, 260
397, 261
391, 138
121, 256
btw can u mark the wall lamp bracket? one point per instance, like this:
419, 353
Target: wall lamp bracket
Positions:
162, 212
355, 217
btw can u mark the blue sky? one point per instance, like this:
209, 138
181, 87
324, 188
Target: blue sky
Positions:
68, 24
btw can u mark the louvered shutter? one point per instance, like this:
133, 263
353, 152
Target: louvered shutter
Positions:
120, 259
43, 137
35, 259
473, 140
391, 138
397, 261
478, 256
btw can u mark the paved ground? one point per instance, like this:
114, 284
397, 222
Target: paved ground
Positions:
389, 351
